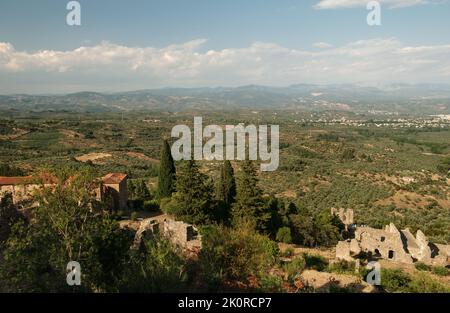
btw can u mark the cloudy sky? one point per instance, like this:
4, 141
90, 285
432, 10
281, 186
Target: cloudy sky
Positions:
136, 44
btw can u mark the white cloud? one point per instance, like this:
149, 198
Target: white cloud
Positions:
322, 45
110, 66
335, 4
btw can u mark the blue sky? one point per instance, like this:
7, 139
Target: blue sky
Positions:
243, 38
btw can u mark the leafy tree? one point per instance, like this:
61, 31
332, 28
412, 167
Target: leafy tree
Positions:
138, 190
225, 192
327, 228
302, 227
68, 225
131, 186
166, 178
313, 229
250, 204
192, 201
284, 235
8, 216
226, 188
276, 210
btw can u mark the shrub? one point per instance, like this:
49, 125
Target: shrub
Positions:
342, 266
394, 280
287, 253
151, 206
158, 267
134, 216
423, 283
315, 262
271, 283
230, 253
135, 204
295, 267
284, 235
422, 266
441, 271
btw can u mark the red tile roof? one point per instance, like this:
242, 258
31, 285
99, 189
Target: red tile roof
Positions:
28, 180
15, 180
111, 178
114, 178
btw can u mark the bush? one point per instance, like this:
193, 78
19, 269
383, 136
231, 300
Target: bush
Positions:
342, 266
422, 266
394, 280
271, 283
315, 262
135, 204
230, 253
423, 283
287, 253
295, 267
134, 216
284, 235
441, 271
151, 206
158, 267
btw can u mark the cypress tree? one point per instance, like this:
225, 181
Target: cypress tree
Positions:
166, 178
131, 189
142, 192
250, 205
226, 188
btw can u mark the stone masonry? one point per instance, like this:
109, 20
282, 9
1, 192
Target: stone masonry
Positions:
392, 244
183, 235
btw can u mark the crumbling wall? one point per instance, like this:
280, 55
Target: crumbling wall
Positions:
345, 215
179, 233
386, 244
391, 244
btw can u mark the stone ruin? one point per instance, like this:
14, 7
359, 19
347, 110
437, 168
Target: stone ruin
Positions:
346, 216
391, 244
181, 234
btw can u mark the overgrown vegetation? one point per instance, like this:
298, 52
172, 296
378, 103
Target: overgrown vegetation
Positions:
385, 175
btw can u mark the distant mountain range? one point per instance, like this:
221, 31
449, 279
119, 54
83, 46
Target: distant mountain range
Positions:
403, 98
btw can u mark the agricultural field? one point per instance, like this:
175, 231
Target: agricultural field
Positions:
386, 174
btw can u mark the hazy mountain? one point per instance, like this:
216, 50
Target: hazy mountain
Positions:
423, 98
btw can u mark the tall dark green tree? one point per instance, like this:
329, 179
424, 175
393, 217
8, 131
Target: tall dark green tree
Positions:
8, 216
250, 204
193, 200
166, 178
226, 187
141, 191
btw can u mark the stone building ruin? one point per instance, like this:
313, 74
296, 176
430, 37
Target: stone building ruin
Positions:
183, 235
346, 216
391, 244
112, 188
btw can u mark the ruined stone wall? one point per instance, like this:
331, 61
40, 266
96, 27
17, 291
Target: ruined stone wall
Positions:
345, 215
179, 233
19, 192
382, 243
391, 244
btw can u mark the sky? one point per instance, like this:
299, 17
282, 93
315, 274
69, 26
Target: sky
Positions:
142, 44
